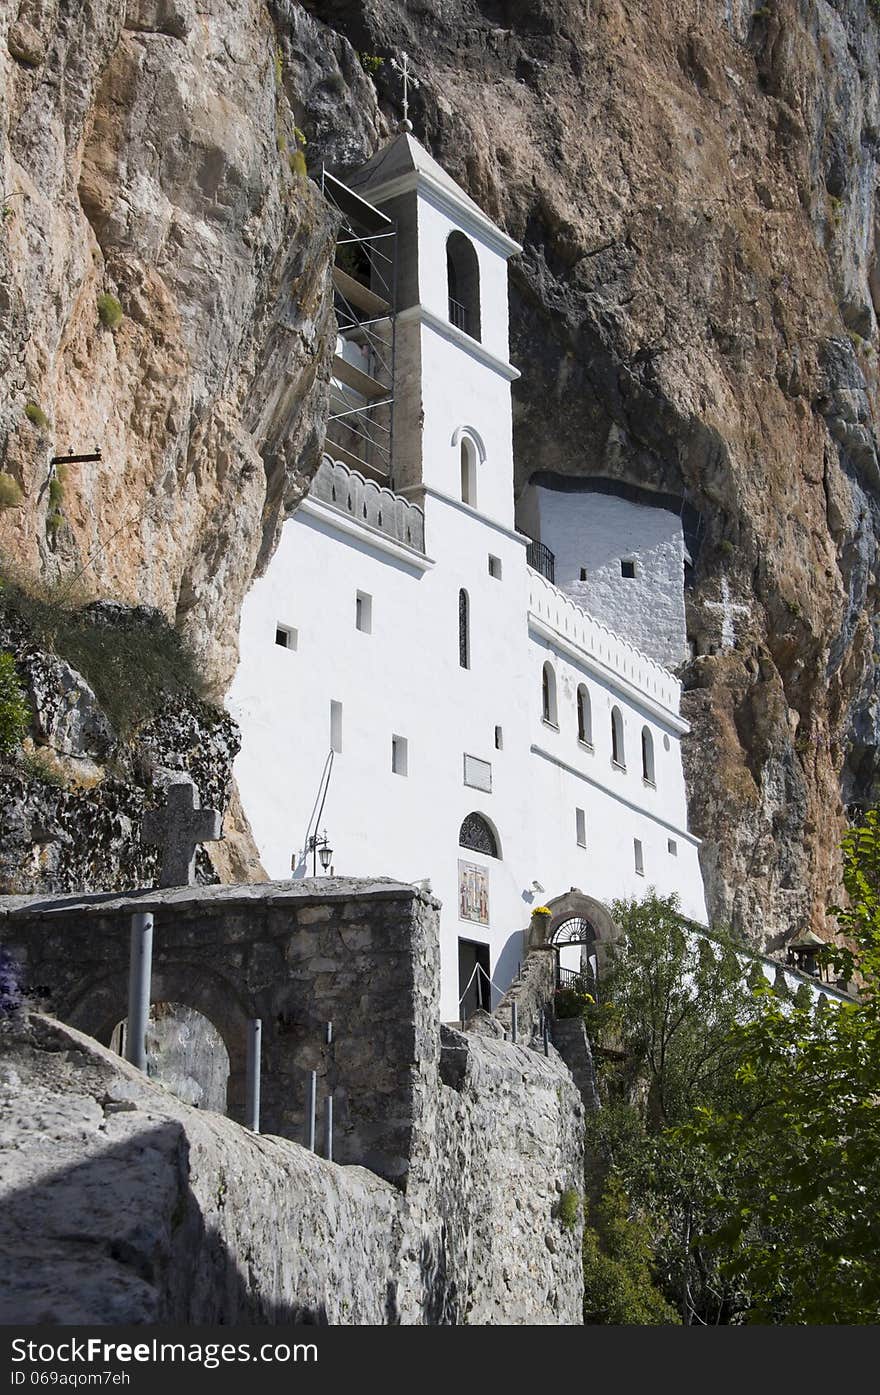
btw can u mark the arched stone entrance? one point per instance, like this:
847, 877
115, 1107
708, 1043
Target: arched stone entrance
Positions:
577, 920
186, 1052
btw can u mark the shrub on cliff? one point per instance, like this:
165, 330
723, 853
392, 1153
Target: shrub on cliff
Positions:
110, 312
11, 495
14, 710
131, 657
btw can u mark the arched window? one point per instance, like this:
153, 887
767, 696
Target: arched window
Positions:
585, 716
464, 630
647, 756
463, 278
548, 695
618, 751
468, 471
478, 834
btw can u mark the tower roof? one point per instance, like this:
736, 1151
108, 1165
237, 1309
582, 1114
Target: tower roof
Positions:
403, 164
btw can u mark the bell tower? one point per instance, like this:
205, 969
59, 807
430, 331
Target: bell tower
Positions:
453, 433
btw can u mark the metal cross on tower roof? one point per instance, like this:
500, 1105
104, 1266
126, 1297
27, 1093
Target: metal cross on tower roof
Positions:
408, 81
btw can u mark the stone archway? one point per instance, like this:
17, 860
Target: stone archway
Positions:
186, 1052
100, 1006
598, 925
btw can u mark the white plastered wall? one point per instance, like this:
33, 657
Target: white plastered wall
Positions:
596, 532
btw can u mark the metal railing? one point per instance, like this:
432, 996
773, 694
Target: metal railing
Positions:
566, 978
541, 560
458, 315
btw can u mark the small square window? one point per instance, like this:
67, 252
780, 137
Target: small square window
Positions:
495, 567
363, 612
478, 773
628, 568
580, 820
285, 637
499, 739
399, 755
639, 857
336, 726
672, 847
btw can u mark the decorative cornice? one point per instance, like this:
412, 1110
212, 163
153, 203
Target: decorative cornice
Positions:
420, 314
467, 215
343, 522
608, 674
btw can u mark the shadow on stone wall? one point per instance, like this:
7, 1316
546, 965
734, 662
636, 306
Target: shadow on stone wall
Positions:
124, 1232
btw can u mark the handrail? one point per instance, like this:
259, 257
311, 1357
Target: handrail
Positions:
478, 969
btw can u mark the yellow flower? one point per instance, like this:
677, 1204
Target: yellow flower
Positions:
542, 910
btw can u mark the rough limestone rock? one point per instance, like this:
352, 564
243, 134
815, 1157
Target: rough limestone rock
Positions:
145, 158
123, 1204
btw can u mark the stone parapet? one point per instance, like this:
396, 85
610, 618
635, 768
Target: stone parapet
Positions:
369, 503
574, 627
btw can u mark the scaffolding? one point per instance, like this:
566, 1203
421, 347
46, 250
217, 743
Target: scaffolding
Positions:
361, 420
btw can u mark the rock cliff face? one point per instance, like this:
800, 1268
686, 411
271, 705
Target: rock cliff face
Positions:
147, 154
693, 313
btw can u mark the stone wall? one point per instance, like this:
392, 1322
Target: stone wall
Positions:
475, 1140
361, 955
122, 1204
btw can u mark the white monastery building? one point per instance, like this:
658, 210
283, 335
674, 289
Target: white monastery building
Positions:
411, 679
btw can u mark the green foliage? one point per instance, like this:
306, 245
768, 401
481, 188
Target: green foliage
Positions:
569, 1208
371, 63
297, 162
56, 487
796, 1152
41, 765
279, 65
133, 665
618, 1254
11, 496
574, 999
34, 413
109, 310
671, 997
726, 548
15, 713
668, 1001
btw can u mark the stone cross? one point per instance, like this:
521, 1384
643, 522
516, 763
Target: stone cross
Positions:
729, 610
179, 828
409, 80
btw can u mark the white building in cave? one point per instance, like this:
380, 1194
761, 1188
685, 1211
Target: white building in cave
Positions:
408, 681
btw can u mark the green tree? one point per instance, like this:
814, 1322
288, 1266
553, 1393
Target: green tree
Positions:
14, 710
797, 1150
618, 1260
669, 999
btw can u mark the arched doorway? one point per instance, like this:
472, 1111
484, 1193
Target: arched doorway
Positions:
186, 1052
579, 929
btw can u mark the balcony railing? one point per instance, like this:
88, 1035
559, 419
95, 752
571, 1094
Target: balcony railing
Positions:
458, 315
542, 560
